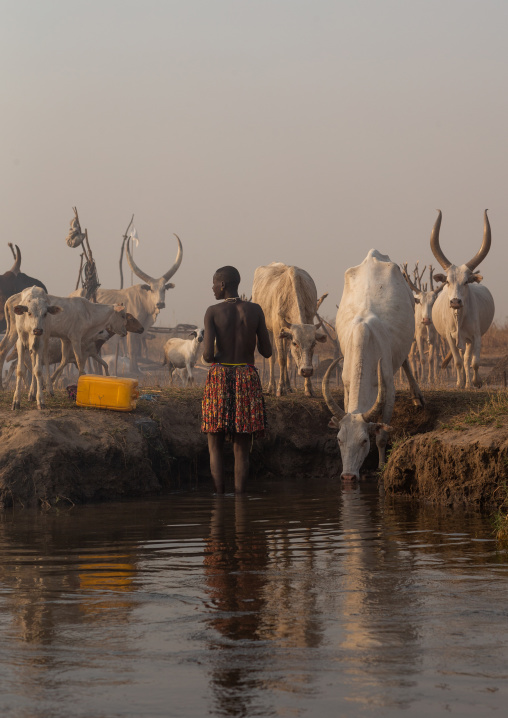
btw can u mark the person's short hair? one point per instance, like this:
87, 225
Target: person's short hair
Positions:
229, 275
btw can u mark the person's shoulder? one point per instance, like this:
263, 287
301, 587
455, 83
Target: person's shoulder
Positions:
252, 306
213, 307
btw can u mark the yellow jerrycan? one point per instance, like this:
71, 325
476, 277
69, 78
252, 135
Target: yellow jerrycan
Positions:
107, 392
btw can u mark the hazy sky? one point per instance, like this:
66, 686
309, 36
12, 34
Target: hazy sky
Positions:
301, 132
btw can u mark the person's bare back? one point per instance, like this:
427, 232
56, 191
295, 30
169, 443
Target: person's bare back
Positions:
234, 326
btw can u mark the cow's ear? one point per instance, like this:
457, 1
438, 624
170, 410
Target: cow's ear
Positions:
54, 310
440, 278
169, 285
285, 335
378, 428
321, 337
334, 423
20, 309
146, 287
475, 278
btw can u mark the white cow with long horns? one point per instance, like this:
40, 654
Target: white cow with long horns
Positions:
144, 301
464, 310
375, 328
288, 298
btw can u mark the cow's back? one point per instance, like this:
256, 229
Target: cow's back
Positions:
376, 293
284, 290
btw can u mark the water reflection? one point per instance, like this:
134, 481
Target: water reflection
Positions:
273, 603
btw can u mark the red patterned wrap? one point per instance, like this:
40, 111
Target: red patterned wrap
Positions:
233, 401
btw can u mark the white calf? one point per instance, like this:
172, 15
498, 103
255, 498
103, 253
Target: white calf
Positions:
31, 318
183, 354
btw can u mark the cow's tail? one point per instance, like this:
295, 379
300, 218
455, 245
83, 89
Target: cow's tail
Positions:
446, 360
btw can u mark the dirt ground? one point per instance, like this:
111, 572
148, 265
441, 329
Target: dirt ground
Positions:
455, 450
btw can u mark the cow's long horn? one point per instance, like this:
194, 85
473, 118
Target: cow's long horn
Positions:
178, 260
381, 396
137, 271
327, 395
484, 249
17, 264
434, 243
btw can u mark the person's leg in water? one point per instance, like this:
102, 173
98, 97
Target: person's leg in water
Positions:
241, 449
215, 447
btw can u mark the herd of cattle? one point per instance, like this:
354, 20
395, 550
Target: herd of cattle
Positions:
376, 328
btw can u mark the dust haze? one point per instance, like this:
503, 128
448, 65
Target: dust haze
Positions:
300, 132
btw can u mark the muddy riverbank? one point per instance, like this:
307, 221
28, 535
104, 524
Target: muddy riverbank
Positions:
70, 454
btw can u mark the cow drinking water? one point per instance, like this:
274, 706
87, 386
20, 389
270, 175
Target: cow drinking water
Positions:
375, 329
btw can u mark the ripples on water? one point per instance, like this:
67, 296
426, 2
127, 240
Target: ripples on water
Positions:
300, 599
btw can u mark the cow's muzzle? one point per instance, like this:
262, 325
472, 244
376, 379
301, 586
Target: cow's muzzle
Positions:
349, 477
426, 321
456, 303
160, 305
306, 372
38, 332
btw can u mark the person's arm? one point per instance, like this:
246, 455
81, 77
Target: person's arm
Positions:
263, 338
209, 338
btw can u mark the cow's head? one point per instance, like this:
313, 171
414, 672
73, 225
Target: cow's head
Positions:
197, 335
457, 279
354, 430
424, 299
303, 338
156, 287
118, 321
132, 324
35, 309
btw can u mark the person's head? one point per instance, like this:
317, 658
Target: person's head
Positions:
226, 281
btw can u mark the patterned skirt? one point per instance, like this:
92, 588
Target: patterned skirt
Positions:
233, 401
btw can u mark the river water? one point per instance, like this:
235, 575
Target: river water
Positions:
299, 599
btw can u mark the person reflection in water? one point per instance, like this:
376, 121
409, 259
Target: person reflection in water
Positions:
233, 403
235, 560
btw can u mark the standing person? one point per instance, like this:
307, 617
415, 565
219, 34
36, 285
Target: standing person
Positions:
233, 402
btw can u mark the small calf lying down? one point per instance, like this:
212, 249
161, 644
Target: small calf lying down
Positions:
183, 354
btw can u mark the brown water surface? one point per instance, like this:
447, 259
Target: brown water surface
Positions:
300, 599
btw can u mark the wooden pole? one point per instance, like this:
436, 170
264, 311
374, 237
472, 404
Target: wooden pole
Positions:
80, 270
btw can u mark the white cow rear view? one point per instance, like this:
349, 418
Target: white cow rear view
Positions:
183, 354
375, 329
